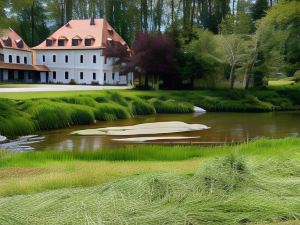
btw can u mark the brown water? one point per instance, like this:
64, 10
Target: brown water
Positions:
225, 127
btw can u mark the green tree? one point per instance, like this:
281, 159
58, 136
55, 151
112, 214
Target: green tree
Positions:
259, 9
282, 23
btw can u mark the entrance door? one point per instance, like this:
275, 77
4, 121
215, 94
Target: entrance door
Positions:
10, 75
21, 75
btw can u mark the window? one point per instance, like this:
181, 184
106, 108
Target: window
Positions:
88, 42
105, 60
75, 42
44, 58
18, 59
66, 75
94, 76
61, 42
10, 58
54, 75
104, 76
81, 75
1, 57
54, 58
113, 76
81, 58
25, 60
29, 76
49, 42
94, 58
66, 58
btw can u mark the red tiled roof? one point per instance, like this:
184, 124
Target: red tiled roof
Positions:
14, 38
102, 32
25, 67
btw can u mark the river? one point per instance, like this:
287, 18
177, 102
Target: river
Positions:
224, 128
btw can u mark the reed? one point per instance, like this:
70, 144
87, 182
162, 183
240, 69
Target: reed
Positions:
171, 106
141, 107
80, 100
111, 111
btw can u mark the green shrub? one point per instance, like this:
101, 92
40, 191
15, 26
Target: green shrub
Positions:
111, 111
172, 106
296, 76
142, 107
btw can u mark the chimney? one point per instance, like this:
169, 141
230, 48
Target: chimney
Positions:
92, 21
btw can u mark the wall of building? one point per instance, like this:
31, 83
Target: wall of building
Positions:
101, 67
14, 53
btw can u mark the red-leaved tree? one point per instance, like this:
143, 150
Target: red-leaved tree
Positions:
154, 57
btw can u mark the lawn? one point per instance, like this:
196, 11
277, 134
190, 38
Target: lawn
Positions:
255, 183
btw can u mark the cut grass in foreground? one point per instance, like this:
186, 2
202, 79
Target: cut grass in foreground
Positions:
255, 183
39, 171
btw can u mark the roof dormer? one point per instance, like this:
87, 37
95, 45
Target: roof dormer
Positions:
89, 40
20, 43
7, 41
76, 40
50, 41
62, 41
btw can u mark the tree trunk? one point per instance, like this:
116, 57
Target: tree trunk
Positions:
192, 82
233, 7
32, 24
247, 78
231, 77
146, 85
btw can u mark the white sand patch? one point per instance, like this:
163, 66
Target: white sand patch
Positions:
199, 110
145, 139
2, 139
145, 128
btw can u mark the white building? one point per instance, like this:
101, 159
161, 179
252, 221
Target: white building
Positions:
75, 54
16, 64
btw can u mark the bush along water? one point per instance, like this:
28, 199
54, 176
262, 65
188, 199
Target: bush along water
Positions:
25, 117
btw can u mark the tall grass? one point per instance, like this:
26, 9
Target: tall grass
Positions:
54, 115
111, 111
80, 100
141, 107
12, 121
171, 106
262, 148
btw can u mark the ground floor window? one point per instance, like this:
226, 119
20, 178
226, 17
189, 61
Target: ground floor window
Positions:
81, 75
94, 76
66, 75
113, 76
104, 76
54, 75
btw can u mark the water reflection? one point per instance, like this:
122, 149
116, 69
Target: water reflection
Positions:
225, 127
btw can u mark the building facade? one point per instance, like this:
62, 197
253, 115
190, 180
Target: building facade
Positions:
16, 62
75, 54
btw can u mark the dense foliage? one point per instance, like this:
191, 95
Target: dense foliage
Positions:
180, 44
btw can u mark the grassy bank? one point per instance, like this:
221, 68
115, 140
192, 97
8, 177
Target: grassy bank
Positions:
253, 183
25, 113
26, 116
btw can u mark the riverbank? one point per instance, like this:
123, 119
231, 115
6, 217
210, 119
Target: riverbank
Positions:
256, 182
25, 113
